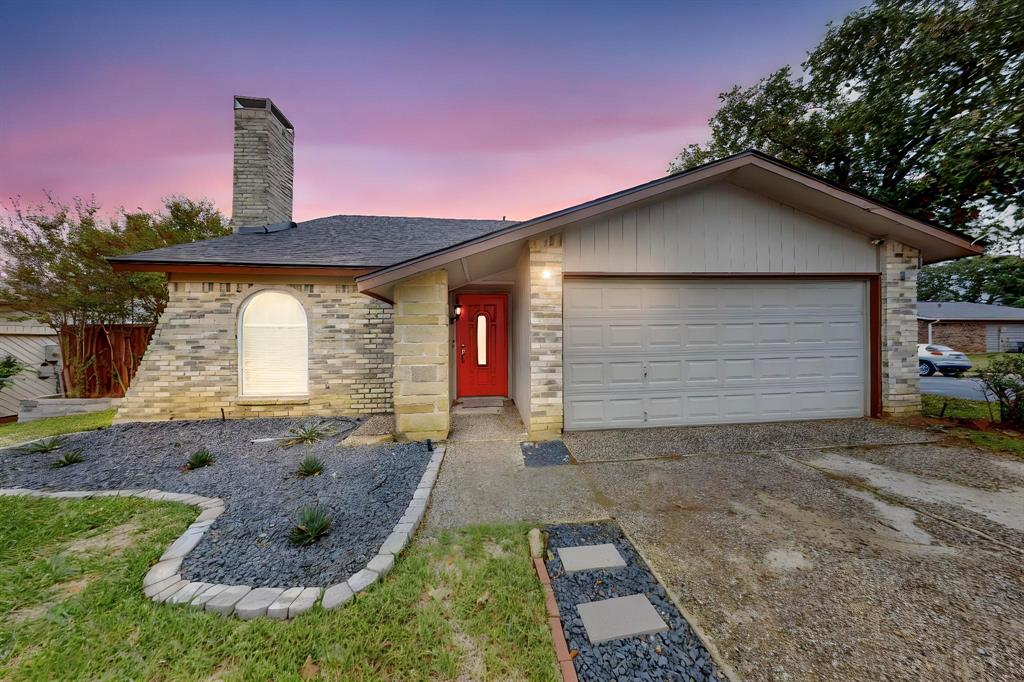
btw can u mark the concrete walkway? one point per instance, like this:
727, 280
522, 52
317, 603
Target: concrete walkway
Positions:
484, 479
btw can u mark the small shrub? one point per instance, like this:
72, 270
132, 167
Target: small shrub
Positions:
198, 460
1004, 379
67, 459
308, 433
45, 445
310, 466
311, 524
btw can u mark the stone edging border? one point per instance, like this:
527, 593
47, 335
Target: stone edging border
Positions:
163, 582
565, 664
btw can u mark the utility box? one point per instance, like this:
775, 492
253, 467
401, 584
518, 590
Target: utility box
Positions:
45, 372
51, 353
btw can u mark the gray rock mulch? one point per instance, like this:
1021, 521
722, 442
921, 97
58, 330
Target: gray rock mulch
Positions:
673, 655
365, 490
545, 453
666, 441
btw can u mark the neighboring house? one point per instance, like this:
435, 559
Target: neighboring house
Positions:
32, 343
971, 327
743, 290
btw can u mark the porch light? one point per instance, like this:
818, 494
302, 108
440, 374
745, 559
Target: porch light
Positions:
546, 274
458, 313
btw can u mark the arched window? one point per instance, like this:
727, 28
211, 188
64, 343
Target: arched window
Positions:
274, 346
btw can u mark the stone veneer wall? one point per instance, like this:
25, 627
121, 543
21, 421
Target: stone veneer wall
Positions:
546, 412
967, 337
190, 369
900, 390
422, 397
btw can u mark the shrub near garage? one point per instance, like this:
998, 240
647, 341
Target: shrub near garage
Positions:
1004, 378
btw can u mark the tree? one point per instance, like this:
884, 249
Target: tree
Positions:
55, 268
918, 103
981, 279
10, 367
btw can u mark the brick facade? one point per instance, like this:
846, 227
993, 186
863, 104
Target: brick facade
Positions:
967, 337
422, 394
899, 267
190, 369
264, 165
545, 267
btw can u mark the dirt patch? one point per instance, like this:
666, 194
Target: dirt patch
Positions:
782, 560
112, 542
494, 550
71, 588
28, 613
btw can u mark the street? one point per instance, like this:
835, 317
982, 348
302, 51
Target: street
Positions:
971, 389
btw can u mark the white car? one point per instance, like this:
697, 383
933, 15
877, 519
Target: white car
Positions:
933, 357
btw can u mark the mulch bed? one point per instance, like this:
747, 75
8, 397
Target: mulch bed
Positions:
673, 655
365, 491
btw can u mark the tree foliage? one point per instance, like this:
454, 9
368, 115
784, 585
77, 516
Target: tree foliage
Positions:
55, 268
918, 103
981, 279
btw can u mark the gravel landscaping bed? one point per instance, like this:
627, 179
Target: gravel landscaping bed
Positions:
365, 491
545, 453
620, 444
673, 655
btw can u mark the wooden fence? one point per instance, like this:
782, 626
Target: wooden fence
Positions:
99, 361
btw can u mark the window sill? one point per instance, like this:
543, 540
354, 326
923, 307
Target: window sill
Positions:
294, 400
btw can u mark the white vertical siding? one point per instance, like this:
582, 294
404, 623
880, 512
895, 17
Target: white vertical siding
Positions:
29, 349
716, 228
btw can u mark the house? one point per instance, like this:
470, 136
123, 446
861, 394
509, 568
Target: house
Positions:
34, 345
744, 290
970, 327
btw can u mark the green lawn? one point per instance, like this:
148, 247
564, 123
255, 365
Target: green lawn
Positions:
12, 434
982, 360
463, 604
958, 408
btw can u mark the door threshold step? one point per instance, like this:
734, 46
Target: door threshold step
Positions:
481, 401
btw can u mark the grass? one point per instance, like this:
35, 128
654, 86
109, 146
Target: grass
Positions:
982, 360
463, 603
12, 434
958, 408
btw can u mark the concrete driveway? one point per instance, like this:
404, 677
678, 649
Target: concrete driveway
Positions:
969, 389
865, 562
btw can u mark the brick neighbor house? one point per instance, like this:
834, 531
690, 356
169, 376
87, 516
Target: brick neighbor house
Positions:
971, 327
743, 290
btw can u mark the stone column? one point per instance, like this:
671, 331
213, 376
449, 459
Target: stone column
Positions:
899, 267
421, 392
545, 338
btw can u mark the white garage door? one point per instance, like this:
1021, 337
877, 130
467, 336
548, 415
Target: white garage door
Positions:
643, 352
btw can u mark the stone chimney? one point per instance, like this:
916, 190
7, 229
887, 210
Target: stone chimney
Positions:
264, 164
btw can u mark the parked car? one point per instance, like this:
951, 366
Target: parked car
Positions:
932, 358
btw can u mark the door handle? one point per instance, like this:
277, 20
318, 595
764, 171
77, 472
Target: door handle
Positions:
462, 353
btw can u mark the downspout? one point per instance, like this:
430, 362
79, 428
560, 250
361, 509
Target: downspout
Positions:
930, 330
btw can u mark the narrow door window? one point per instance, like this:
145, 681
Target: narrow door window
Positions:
481, 339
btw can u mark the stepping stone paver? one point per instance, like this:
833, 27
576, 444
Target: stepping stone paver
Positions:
224, 603
304, 602
591, 558
255, 603
620, 617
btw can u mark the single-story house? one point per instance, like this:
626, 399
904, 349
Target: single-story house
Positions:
970, 327
743, 290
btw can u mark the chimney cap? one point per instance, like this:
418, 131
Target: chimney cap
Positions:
265, 103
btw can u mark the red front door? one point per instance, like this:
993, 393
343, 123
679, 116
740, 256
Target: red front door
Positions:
481, 345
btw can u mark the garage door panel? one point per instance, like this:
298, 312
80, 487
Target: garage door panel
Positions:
643, 353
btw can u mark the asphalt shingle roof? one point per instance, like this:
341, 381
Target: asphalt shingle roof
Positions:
334, 241
954, 310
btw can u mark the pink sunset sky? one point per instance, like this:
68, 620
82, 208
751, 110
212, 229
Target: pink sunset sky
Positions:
442, 109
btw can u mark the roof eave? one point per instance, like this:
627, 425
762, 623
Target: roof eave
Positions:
122, 265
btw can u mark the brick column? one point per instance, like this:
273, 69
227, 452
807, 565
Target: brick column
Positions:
421, 357
899, 268
545, 338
